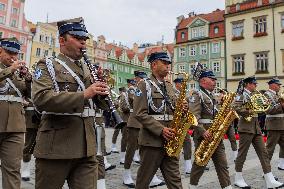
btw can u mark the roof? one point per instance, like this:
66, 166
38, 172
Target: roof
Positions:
215, 16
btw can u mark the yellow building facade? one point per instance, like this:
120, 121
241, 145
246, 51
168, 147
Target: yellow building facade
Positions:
254, 41
45, 41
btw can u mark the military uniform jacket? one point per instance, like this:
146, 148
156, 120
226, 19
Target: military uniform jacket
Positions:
32, 117
243, 125
151, 131
12, 118
203, 105
132, 121
63, 136
274, 120
126, 105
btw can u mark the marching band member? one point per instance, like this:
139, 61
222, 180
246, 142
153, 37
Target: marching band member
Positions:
275, 117
153, 107
250, 133
202, 103
13, 87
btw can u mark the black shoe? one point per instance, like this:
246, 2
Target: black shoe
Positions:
108, 153
138, 162
279, 168
26, 179
115, 152
161, 184
110, 167
206, 168
121, 163
132, 185
246, 187
187, 173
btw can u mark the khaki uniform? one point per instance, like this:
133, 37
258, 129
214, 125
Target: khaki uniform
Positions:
65, 145
124, 108
250, 133
232, 138
274, 123
32, 124
133, 127
12, 127
203, 105
152, 152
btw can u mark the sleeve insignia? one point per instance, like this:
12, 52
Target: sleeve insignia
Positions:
138, 92
38, 73
191, 99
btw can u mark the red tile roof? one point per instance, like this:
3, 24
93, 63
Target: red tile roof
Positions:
249, 5
130, 54
215, 16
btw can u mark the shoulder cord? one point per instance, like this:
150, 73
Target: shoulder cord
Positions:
150, 99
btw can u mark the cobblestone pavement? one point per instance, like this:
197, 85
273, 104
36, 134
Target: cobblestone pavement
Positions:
252, 170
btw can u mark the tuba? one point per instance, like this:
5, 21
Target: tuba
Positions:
258, 103
220, 125
182, 121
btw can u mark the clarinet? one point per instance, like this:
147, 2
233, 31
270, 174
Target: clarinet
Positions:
119, 123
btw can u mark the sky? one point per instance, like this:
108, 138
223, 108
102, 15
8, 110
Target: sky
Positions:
125, 21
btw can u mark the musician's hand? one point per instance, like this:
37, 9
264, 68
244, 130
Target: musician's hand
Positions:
98, 88
185, 105
168, 133
17, 65
207, 136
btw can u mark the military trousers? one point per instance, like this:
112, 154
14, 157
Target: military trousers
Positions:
30, 141
80, 173
11, 154
101, 167
274, 137
123, 138
132, 145
232, 138
187, 152
152, 158
246, 139
220, 162
103, 142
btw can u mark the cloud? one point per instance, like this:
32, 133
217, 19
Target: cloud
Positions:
127, 21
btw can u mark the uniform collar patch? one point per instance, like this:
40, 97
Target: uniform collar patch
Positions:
138, 92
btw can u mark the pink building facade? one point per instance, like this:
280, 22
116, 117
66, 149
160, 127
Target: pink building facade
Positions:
14, 24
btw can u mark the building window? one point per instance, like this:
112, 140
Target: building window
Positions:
13, 23
261, 62
45, 53
192, 86
216, 67
21, 56
238, 65
22, 40
182, 35
260, 26
41, 38
181, 68
204, 65
194, 33
37, 52
2, 7
216, 30
203, 49
192, 66
282, 21
47, 39
1, 34
192, 50
53, 54
238, 30
215, 48
182, 52
201, 32
15, 10
2, 19
198, 32
119, 80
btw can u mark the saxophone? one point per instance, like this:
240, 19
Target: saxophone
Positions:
220, 125
182, 121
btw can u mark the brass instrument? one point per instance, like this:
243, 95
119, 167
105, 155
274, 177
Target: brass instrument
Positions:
220, 125
182, 121
281, 97
258, 103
